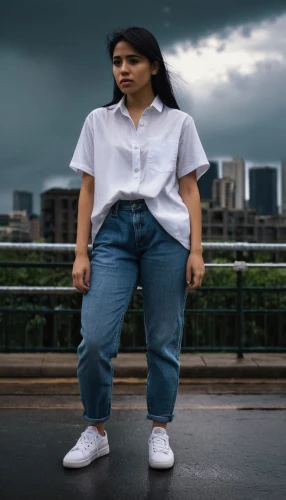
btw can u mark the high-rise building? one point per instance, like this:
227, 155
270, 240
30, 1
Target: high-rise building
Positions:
15, 226
223, 224
59, 215
235, 170
206, 180
23, 200
223, 193
263, 190
283, 186
34, 227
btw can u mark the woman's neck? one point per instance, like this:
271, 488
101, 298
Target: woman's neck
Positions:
138, 102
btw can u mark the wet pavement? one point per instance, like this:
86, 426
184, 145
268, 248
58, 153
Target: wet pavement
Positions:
227, 445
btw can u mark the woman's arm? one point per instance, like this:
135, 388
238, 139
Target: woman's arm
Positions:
190, 195
85, 206
189, 192
81, 267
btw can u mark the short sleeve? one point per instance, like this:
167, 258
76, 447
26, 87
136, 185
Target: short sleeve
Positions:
191, 155
82, 160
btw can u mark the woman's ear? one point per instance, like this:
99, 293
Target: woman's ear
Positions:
155, 67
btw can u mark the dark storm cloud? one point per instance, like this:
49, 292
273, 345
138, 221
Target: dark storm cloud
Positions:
57, 29
55, 69
242, 115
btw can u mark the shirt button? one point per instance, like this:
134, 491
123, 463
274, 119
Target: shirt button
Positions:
136, 169
142, 124
136, 147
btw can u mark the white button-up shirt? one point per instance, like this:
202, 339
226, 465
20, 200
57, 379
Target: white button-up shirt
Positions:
129, 163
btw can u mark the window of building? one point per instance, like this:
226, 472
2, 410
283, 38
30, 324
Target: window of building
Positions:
74, 204
239, 218
217, 231
204, 216
49, 205
216, 217
65, 203
271, 232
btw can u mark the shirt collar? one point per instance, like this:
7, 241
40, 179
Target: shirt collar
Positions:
157, 103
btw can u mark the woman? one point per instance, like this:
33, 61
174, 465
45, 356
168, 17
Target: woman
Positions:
140, 158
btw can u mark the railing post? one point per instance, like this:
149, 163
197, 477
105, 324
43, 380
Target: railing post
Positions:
239, 267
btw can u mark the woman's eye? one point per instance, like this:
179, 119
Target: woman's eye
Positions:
131, 60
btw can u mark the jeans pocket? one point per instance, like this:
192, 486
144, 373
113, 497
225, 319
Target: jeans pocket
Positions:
102, 227
107, 217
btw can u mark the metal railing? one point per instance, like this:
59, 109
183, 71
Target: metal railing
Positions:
239, 313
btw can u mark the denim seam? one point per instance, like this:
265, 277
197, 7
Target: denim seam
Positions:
108, 217
116, 339
148, 364
110, 391
131, 291
180, 325
115, 209
145, 320
178, 369
148, 382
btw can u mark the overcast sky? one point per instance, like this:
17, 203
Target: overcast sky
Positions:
229, 55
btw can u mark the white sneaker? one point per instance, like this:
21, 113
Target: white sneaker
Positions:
89, 446
161, 455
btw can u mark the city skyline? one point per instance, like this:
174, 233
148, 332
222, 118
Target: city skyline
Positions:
76, 185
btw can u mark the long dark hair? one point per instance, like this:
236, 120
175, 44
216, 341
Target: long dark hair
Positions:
145, 43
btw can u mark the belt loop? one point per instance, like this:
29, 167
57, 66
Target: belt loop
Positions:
115, 208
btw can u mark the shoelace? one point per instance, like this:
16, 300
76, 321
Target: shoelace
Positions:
159, 443
84, 442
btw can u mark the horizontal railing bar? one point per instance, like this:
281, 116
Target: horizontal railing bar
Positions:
231, 265
244, 288
38, 289
201, 289
210, 245
44, 311
139, 311
68, 290
36, 264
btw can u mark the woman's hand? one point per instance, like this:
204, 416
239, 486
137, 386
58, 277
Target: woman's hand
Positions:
81, 273
195, 270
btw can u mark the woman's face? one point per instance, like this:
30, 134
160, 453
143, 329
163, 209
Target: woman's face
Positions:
132, 65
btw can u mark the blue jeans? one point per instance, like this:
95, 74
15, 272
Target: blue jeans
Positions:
131, 246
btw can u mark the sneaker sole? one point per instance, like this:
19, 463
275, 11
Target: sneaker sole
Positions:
156, 465
87, 461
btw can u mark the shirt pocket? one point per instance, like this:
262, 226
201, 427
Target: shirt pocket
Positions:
162, 154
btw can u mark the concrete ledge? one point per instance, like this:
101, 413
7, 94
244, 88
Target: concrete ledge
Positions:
135, 365
21, 365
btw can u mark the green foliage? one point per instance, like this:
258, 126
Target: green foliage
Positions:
215, 324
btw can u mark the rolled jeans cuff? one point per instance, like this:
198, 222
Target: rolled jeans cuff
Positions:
96, 420
162, 418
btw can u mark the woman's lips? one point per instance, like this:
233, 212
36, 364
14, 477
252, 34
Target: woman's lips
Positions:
126, 82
